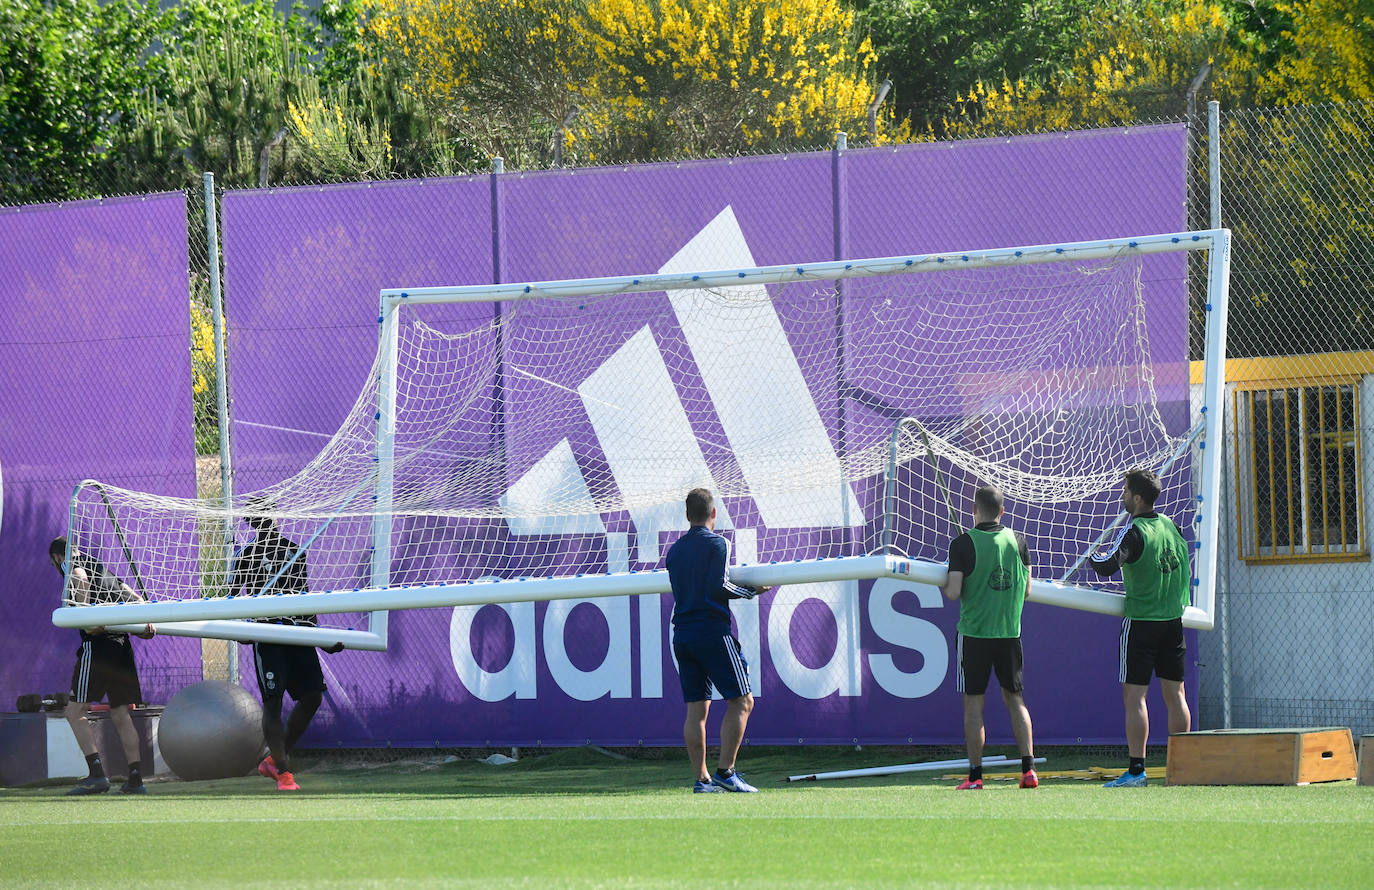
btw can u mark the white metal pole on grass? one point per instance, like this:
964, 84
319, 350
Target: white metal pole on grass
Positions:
908, 768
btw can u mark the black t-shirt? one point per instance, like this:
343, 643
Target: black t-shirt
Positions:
105, 588
962, 555
1127, 551
260, 561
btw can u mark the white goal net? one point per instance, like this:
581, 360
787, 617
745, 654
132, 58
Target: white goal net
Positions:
837, 410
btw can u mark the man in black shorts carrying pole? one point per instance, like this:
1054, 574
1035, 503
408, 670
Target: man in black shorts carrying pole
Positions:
707, 653
1153, 560
281, 669
989, 575
104, 669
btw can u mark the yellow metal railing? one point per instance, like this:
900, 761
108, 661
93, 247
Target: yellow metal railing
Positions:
1321, 517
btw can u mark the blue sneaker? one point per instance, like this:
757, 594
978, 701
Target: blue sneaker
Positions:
731, 782
1127, 780
129, 788
704, 787
90, 785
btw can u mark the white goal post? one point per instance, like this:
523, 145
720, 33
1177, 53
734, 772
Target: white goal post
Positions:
411, 497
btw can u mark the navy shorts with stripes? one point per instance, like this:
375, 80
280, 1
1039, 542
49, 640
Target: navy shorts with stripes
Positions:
707, 662
105, 669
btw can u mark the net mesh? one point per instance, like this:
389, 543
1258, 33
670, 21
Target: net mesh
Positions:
558, 435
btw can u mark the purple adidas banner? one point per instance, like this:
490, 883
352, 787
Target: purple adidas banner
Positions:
95, 382
871, 662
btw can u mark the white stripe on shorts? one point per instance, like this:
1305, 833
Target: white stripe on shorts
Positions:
83, 679
741, 674
959, 660
1125, 638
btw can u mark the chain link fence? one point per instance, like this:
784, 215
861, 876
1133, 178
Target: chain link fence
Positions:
1297, 588
1296, 595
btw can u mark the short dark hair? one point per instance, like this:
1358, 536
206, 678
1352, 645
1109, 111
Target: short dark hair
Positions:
1143, 483
700, 503
58, 547
987, 500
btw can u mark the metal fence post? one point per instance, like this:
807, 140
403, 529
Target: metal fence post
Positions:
226, 472
1214, 206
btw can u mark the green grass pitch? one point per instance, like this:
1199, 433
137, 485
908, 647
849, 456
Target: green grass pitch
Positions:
577, 818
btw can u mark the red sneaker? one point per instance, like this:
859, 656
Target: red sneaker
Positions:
286, 782
970, 785
268, 768
1029, 779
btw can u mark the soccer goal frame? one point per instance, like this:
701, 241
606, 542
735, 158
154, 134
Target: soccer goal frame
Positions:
380, 596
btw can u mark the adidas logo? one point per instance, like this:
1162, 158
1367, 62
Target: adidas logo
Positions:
633, 404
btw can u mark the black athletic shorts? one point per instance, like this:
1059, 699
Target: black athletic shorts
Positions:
293, 670
1151, 647
105, 669
978, 657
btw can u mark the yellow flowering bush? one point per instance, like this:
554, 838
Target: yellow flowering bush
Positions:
202, 349
1331, 54
501, 71
631, 79
205, 408
334, 140
728, 74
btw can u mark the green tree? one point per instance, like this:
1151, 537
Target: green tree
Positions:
935, 51
1131, 62
256, 97
71, 76
372, 128
232, 69
1299, 183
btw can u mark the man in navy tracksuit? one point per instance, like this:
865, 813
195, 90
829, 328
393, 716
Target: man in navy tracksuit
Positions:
708, 654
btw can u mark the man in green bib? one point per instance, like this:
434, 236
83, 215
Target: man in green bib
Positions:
989, 576
1153, 559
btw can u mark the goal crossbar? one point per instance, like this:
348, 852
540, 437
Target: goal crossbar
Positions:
513, 590
821, 271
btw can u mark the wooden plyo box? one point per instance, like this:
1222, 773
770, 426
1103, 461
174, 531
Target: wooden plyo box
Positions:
1261, 756
1366, 760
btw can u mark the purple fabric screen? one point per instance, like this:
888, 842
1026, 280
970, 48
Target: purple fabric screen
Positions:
302, 273
303, 268
95, 382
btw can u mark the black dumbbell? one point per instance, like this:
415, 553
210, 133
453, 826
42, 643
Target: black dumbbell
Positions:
31, 703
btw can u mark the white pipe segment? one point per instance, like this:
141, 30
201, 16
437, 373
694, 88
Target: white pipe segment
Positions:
473, 593
258, 632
